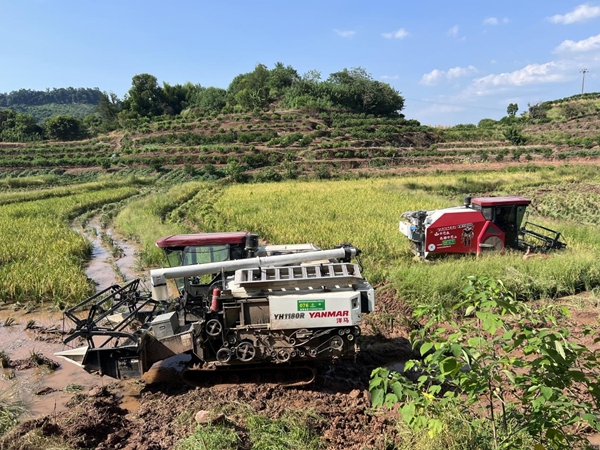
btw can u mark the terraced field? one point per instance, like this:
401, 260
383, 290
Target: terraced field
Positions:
271, 145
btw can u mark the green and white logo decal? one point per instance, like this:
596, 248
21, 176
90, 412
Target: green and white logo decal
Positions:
311, 305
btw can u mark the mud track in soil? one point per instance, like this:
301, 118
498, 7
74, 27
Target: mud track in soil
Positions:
134, 415
99, 419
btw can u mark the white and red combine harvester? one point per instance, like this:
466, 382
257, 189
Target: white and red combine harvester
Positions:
481, 224
243, 312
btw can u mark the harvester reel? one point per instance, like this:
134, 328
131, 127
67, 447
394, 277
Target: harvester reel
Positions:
213, 327
246, 351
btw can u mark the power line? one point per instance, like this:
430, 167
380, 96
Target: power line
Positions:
454, 104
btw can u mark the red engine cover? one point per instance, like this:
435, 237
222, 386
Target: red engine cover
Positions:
455, 230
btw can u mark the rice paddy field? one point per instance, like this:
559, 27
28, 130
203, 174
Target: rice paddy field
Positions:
365, 212
42, 259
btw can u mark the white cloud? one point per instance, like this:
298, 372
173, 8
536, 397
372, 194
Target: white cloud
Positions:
390, 77
581, 13
457, 72
585, 45
549, 72
432, 78
398, 34
495, 20
345, 33
453, 31
436, 76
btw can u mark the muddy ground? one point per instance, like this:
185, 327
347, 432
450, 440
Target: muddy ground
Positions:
155, 414
65, 407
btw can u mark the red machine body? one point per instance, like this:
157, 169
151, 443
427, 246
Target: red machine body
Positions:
484, 223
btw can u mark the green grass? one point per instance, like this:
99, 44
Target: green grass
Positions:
210, 437
10, 410
147, 219
294, 430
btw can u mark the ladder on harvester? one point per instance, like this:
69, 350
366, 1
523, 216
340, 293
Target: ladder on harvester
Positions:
317, 275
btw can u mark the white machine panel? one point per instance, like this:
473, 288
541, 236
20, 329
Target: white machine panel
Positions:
318, 310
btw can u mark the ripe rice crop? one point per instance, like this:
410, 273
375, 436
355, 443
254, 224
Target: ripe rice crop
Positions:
365, 212
41, 258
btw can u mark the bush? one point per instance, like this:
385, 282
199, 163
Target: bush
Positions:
535, 385
267, 175
515, 135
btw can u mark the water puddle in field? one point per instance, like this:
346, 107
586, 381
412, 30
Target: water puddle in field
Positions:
40, 390
105, 268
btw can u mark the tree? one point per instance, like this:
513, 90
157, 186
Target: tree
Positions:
210, 99
108, 110
93, 124
281, 78
512, 109
355, 89
177, 97
538, 111
515, 135
145, 97
64, 128
18, 127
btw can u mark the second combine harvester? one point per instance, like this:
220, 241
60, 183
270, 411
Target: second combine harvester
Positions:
482, 224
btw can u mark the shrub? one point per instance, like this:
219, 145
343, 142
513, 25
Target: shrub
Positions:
514, 364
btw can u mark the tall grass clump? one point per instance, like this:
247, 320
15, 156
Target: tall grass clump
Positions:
214, 437
294, 430
10, 410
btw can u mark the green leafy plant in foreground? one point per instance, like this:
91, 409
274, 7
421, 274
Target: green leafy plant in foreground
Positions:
511, 369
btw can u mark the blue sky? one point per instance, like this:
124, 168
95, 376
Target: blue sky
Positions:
454, 62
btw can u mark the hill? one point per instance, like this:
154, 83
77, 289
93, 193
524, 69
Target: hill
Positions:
78, 102
269, 144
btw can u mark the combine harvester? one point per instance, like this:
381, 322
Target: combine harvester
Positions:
482, 224
244, 313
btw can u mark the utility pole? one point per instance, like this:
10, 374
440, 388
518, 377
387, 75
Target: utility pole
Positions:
583, 71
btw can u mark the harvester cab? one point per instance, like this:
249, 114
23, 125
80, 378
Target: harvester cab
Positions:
481, 224
243, 312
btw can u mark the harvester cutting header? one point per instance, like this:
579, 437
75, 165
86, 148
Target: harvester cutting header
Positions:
482, 224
